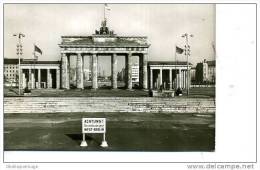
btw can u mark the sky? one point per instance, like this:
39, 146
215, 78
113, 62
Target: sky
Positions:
163, 24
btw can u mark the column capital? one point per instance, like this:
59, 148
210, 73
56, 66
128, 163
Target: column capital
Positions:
80, 54
65, 54
145, 54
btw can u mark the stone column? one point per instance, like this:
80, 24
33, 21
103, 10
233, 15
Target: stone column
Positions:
141, 59
33, 81
85, 69
151, 78
39, 78
23, 81
126, 71
48, 78
161, 80
30, 79
129, 71
50, 84
184, 79
68, 72
79, 73
170, 78
57, 78
114, 70
145, 81
64, 72
175, 79
94, 71
179, 79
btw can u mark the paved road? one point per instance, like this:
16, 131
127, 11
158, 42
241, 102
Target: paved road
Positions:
125, 132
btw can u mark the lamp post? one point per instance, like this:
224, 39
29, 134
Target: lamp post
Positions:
19, 52
187, 53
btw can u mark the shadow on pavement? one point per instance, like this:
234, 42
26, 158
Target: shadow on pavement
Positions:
78, 138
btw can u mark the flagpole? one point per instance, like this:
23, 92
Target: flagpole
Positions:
187, 53
175, 55
19, 53
187, 56
188, 88
34, 64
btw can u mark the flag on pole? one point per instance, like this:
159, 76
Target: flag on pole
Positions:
37, 49
179, 50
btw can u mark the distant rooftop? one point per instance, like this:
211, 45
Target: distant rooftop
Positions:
11, 61
40, 62
168, 63
27, 61
211, 63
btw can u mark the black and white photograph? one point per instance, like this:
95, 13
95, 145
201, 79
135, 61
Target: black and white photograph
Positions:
152, 79
109, 78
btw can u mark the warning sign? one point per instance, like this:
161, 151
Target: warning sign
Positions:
94, 125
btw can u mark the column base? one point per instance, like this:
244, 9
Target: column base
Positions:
79, 89
83, 144
104, 144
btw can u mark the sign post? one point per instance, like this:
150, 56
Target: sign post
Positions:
94, 125
104, 142
84, 142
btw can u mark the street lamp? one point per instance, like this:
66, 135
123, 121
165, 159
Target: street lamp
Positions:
187, 53
19, 52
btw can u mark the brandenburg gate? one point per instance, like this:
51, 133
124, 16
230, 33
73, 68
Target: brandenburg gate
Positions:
103, 42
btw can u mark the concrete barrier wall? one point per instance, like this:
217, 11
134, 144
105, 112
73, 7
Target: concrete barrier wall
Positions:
107, 104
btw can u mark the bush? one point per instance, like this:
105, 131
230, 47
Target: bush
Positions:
178, 91
26, 90
150, 93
